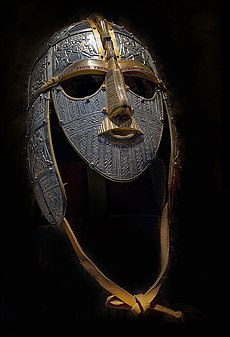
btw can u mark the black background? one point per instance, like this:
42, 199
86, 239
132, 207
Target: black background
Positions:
187, 38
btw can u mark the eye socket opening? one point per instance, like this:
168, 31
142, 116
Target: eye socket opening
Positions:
83, 85
140, 85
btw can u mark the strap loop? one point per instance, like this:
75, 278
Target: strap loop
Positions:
120, 298
141, 305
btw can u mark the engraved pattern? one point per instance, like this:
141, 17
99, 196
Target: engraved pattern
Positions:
52, 193
71, 29
55, 201
160, 109
74, 48
121, 30
42, 204
38, 76
38, 152
118, 162
36, 114
48, 181
126, 164
130, 49
49, 197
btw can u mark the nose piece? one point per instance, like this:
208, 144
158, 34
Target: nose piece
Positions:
119, 123
121, 114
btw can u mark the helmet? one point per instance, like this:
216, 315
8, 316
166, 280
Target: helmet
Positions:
95, 95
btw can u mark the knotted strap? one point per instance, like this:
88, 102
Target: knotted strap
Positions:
120, 298
141, 306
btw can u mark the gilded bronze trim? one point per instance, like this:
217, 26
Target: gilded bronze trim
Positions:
82, 67
114, 41
133, 68
94, 66
97, 37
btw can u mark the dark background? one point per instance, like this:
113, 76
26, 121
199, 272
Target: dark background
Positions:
186, 36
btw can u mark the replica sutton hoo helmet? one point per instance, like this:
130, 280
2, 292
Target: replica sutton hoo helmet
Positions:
98, 85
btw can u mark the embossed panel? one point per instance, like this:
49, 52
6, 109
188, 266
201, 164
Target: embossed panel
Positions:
38, 76
37, 114
38, 152
74, 48
130, 49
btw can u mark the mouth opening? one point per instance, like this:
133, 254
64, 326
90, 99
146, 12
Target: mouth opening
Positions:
122, 133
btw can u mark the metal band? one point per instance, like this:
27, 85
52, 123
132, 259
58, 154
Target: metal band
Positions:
114, 41
94, 66
97, 38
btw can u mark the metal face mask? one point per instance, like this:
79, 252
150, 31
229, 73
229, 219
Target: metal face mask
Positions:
112, 107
